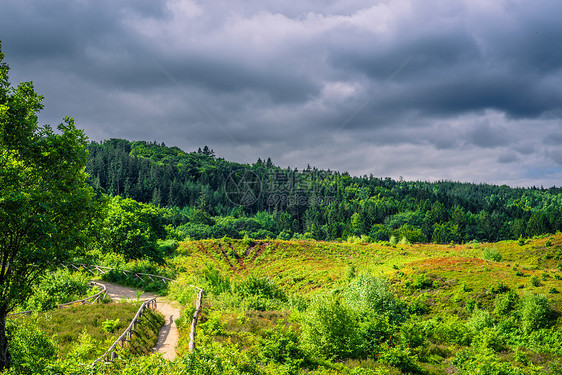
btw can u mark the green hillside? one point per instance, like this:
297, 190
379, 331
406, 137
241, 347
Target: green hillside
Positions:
320, 307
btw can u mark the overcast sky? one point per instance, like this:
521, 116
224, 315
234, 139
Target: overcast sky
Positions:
460, 90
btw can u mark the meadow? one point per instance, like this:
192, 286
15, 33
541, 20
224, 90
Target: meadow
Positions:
313, 307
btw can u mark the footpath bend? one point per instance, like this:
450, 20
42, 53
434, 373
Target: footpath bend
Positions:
168, 336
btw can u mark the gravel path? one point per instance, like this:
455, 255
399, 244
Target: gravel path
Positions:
168, 336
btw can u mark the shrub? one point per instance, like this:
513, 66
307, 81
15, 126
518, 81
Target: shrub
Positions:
260, 293
422, 282
374, 329
58, 287
167, 247
500, 287
367, 293
452, 331
281, 345
30, 348
483, 361
284, 235
214, 281
418, 307
399, 357
412, 335
110, 325
488, 338
505, 303
479, 320
535, 312
330, 329
535, 281
492, 254
259, 286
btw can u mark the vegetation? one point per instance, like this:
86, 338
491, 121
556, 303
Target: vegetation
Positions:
347, 308
74, 337
44, 199
310, 272
202, 202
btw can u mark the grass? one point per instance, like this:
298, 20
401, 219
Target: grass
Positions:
307, 267
67, 325
441, 281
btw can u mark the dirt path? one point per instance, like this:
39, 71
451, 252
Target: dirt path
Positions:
168, 336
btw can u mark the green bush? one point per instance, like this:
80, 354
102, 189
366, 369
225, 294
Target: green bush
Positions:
167, 247
260, 293
367, 293
535, 312
259, 286
280, 345
451, 330
422, 282
479, 320
488, 338
284, 235
492, 254
110, 325
330, 329
31, 349
483, 361
399, 357
535, 281
374, 329
215, 283
412, 335
58, 287
505, 303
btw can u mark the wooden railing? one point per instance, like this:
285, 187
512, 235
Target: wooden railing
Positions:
126, 336
98, 297
95, 269
109, 355
198, 309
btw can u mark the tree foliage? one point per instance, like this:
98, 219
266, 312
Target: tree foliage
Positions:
44, 199
327, 205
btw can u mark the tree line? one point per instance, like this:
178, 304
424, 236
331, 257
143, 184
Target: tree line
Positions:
207, 196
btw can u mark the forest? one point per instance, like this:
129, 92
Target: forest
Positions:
200, 194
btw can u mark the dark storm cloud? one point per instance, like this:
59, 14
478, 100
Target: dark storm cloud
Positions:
467, 90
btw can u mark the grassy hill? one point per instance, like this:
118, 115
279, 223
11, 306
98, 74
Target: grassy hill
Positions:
306, 267
280, 306
312, 307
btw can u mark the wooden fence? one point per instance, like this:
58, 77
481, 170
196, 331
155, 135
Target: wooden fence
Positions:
198, 309
98, 297
109, 355
126, 336
95, 269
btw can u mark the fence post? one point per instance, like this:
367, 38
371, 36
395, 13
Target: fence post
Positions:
194, 321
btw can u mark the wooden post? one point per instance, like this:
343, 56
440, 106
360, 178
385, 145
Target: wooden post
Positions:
194, 321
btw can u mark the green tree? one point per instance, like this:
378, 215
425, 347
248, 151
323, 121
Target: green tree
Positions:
44, 199
132, 228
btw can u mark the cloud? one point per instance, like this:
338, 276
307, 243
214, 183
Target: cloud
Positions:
466, 90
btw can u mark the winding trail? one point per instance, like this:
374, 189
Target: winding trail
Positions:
168, 336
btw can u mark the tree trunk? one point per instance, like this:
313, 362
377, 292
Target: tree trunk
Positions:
5, 357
